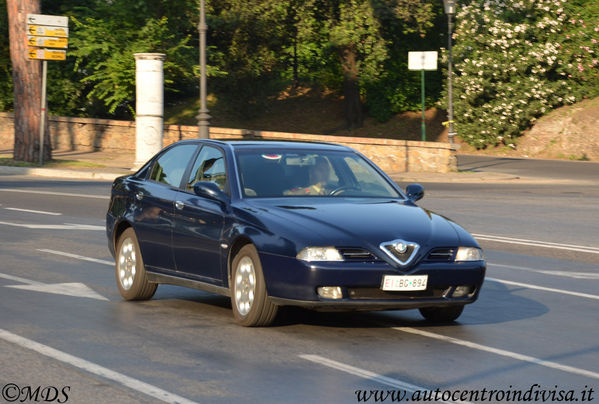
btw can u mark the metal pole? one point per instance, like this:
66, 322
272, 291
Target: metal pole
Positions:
423, 100
203, 116
43, 110
451, 133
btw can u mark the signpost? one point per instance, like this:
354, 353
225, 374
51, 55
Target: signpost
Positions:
46, 31
422, 61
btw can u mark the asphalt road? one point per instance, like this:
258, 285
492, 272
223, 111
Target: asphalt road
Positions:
534, 328
557, 169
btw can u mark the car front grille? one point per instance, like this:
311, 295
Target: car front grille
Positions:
357, 255
441, 255
379, 294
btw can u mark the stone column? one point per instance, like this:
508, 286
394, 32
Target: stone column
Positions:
149, 108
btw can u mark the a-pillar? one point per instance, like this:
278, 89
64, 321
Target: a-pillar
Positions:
149, 122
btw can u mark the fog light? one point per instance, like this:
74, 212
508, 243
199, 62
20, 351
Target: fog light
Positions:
461, 291
330, 292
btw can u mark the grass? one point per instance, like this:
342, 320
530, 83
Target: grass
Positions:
5, 161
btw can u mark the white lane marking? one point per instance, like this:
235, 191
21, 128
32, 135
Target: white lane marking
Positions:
536, 243
76, 256
501, 352
545, 289
41, 212
365, 374
67, 289
30, 191
575, 275
19, 279
98, 370
65, 226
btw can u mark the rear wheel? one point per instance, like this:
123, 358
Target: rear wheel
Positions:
130, 272
442, 314
251, 305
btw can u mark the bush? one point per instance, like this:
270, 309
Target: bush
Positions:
516, 60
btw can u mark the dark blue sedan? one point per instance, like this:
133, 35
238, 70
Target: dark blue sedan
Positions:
272, 224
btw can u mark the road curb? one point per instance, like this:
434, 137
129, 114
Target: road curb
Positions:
59, 173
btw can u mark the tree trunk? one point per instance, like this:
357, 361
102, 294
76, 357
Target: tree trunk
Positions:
27, 84
354, 117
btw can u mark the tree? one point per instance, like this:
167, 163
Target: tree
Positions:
247, 39
6, 90
27, 85
106, 36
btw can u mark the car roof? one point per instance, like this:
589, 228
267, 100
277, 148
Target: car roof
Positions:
270, 144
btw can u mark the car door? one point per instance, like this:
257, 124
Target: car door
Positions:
154, 200
199, 221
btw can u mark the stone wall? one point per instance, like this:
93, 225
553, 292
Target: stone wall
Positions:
102, 134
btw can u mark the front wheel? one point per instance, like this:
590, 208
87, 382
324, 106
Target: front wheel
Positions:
251, 305
442, 314
131, 275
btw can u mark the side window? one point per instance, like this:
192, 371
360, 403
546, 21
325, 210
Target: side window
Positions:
170, 167
209, 166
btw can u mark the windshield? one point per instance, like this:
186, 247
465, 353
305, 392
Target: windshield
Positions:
310, 173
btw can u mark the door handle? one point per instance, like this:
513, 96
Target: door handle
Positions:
179, 205
139, 196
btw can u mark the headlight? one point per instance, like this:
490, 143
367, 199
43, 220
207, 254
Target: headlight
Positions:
319, 254
469, 254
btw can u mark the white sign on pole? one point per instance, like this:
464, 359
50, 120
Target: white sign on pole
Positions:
52, 20
422, 60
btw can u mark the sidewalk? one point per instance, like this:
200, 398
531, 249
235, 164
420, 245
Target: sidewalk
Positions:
103, 165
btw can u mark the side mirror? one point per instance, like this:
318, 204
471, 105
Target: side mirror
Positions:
210, 190
415, 192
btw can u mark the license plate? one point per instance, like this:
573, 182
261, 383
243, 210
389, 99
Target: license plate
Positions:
404, 282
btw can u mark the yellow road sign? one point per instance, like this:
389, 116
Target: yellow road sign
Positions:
46, 54
43, 30
47, 41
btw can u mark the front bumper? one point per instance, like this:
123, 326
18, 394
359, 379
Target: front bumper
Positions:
293, 282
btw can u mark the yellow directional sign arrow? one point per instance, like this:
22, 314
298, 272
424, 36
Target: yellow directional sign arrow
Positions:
43, 30
47, 41
47, 54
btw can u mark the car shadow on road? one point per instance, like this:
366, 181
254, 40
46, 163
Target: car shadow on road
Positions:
497, 304
484, 164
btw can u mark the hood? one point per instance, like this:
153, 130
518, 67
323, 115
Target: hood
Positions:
354, 222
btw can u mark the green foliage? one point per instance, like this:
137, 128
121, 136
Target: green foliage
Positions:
105, 41
356, 29
515, 60
406, 26
249, 38
394, 92
6, 89
256, 48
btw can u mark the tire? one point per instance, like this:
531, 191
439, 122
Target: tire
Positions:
249, 299
131, 277
442, 314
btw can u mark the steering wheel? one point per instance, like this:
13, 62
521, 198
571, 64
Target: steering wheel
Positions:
341, 189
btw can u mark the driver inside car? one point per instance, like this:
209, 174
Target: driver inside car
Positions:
320, 183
